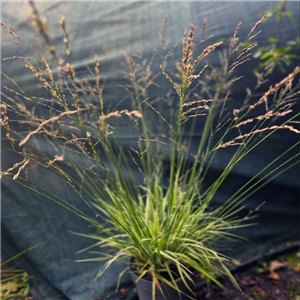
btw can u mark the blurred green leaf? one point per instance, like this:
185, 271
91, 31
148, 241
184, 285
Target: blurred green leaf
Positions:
271, 39
267, 54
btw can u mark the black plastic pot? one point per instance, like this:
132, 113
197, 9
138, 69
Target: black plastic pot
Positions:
144, 290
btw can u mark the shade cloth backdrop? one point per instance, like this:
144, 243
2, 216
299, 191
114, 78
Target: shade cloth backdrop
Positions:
108, 29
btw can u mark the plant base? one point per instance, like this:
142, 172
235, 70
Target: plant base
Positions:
144, 290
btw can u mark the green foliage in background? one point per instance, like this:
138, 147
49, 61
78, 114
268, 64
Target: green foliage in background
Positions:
14, 283
275, 55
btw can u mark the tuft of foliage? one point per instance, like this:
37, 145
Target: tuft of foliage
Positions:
165, 225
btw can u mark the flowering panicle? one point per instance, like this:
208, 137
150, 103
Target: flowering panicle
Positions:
4, 123
66, 37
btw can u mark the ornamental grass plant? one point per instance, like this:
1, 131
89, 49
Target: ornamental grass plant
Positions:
161, 212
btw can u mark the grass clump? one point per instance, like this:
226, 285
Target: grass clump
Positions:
163, 216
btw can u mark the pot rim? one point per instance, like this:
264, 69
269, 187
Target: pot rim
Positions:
179, 279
